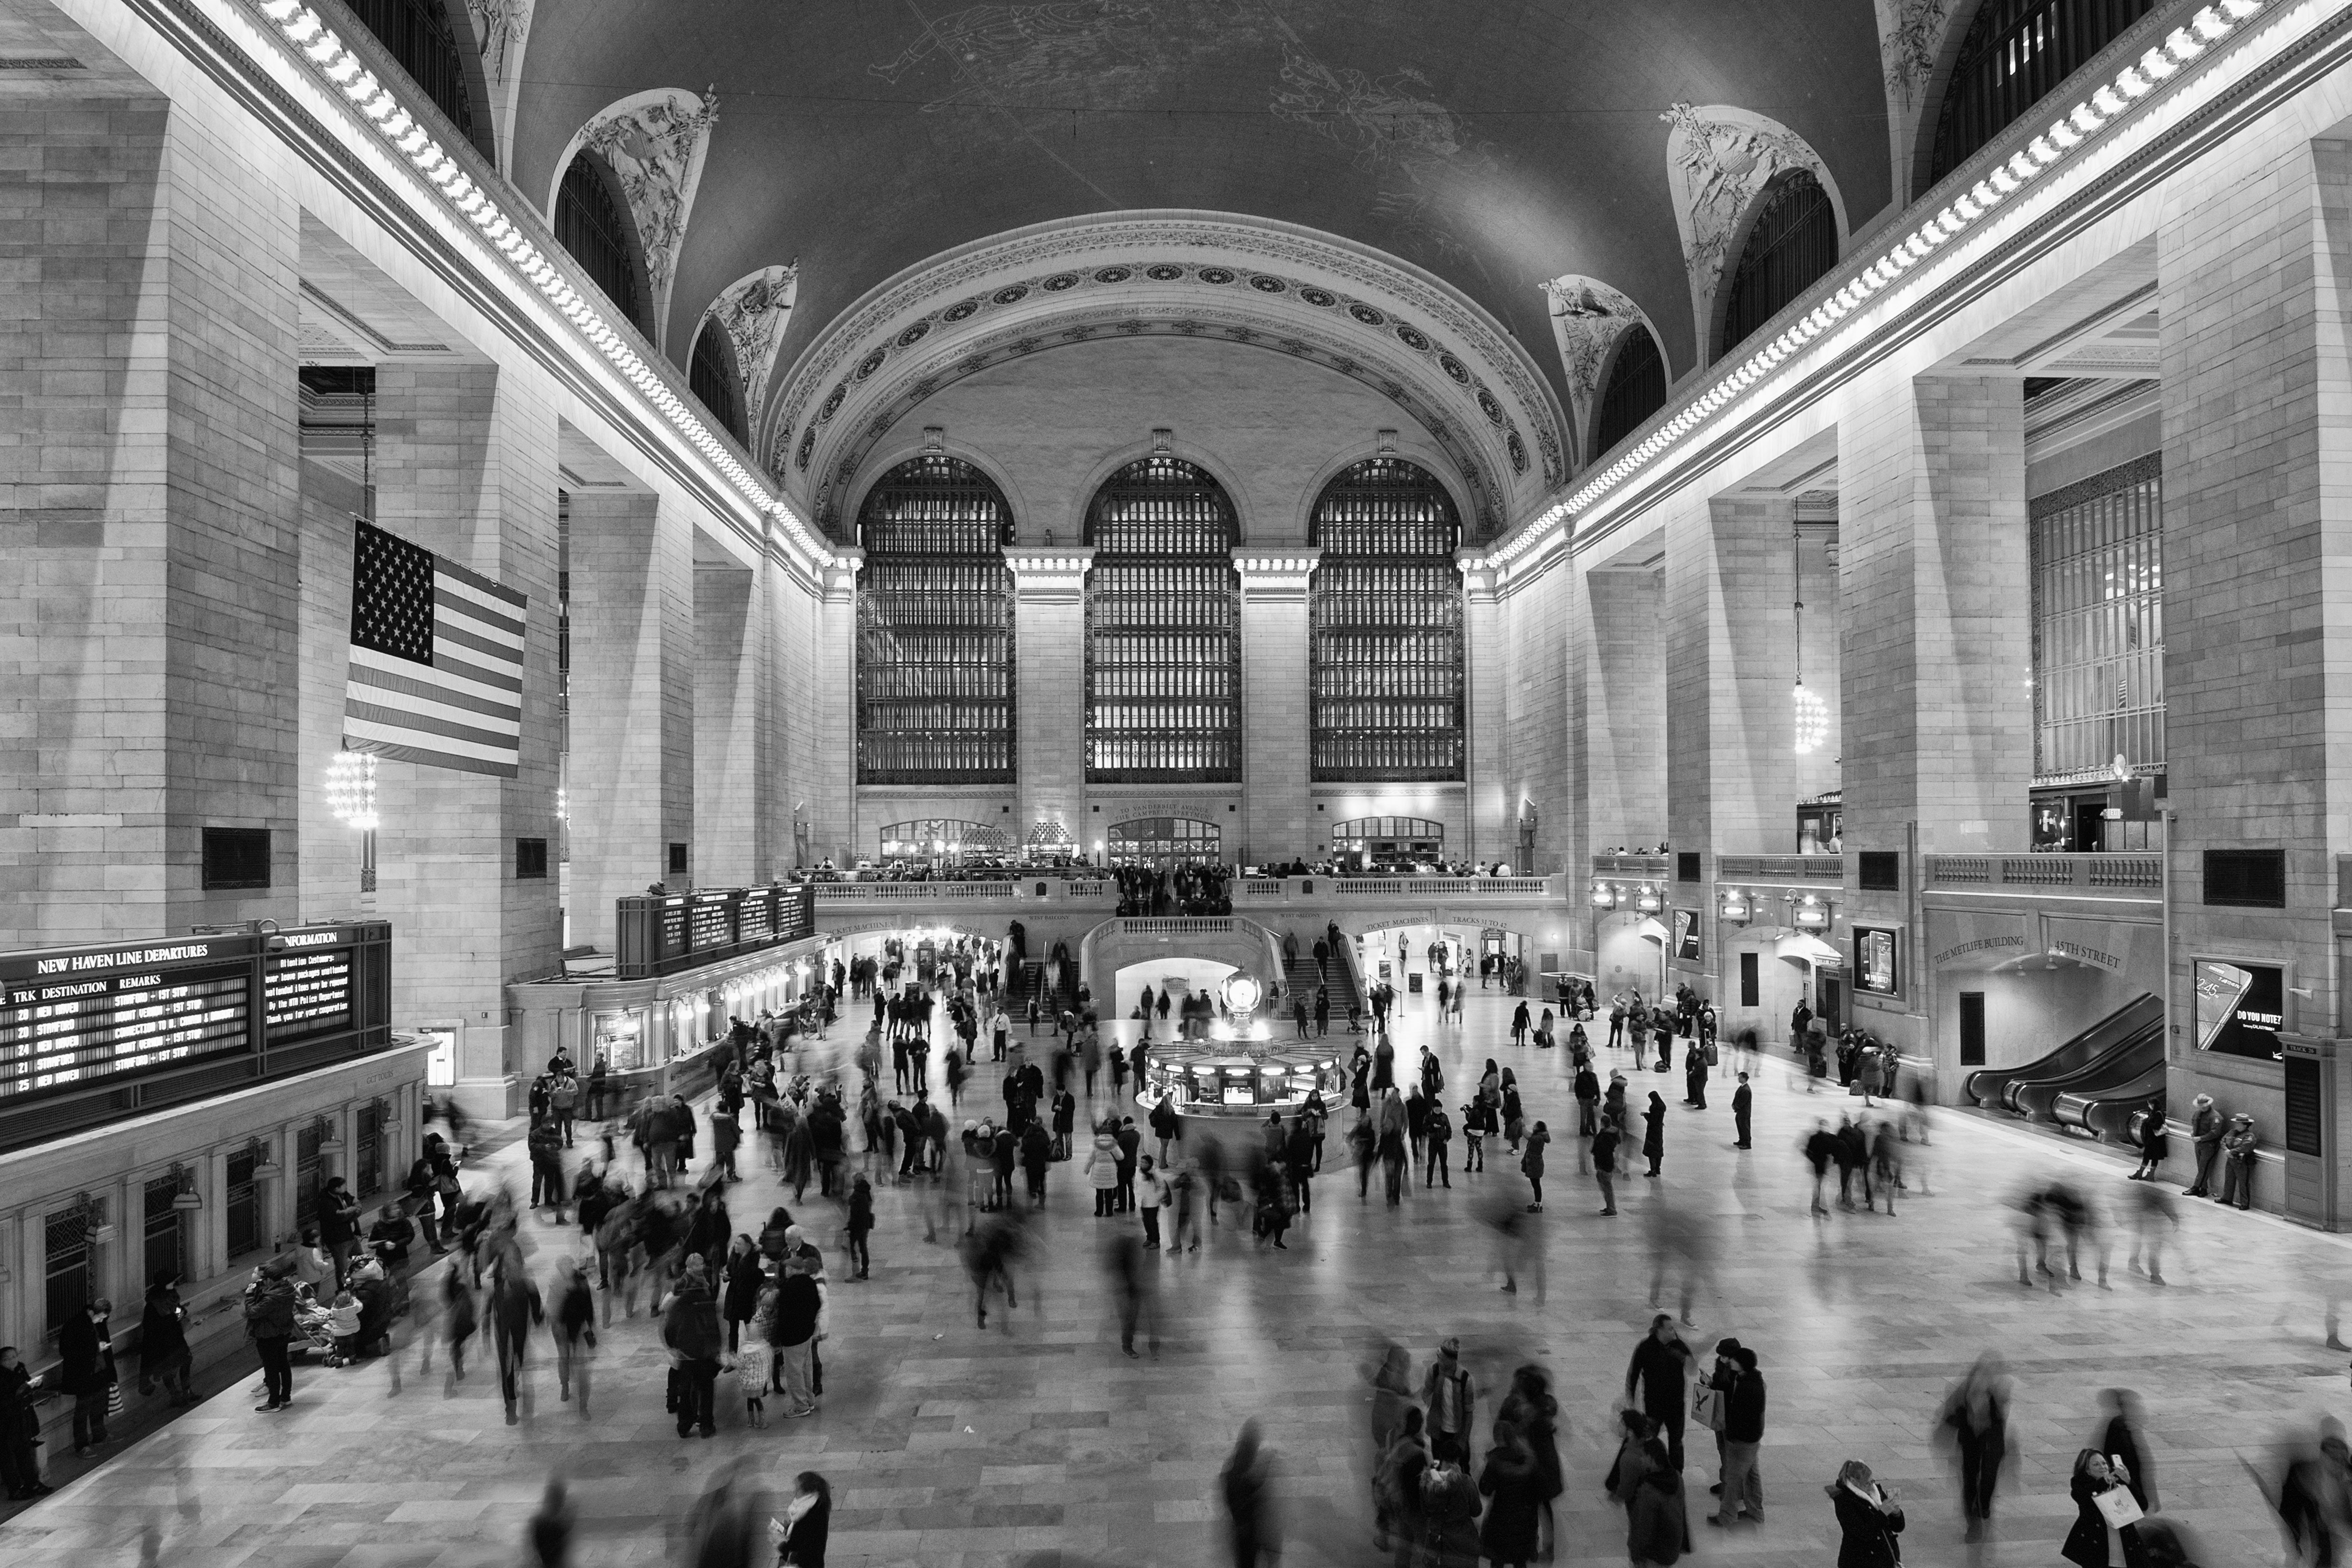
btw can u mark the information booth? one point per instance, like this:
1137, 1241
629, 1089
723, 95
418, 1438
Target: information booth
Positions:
1245, 1078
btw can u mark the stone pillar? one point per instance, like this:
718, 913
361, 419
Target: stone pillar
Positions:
148, 558
1936, 629
632, 790
2252, 292
1543, 709
1625, 711
1278, 817
1730, 588
825, 775
1049, 652
466, 468
1483, 666
730, 727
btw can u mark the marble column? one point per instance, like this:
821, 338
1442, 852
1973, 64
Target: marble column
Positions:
1541, 633
1049, 653
148, 562
825, 774
1489, 813
465, 466
1625, 707
2253, 279
1279, 821
1935, 630
632, 775
730, 725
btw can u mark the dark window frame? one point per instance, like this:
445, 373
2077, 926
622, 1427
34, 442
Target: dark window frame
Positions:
422, 38
530, 859
2245, 879
241, 1206
1791, 243
162, 1222
1878, 870
235, 858
715, 379
2013, 55
594, 225
1633, 388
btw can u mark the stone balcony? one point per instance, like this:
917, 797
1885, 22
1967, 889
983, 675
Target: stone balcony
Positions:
2106, 876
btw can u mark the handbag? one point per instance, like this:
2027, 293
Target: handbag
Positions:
2118, 1507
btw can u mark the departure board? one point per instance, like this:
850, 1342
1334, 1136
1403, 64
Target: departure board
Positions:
307, 994
56, 1031
660, 935
711, 921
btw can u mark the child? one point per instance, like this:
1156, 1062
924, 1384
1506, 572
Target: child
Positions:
861, 1220
1474, 1137
753, 1361
343, 1323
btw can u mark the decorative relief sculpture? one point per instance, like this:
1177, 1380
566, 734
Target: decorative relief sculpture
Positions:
1719, 159
655, 142
1586, 317
1910, 34
1010, 51
753, 311
500, 29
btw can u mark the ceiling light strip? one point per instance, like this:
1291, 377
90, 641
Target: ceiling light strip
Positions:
317, 43
2060, 143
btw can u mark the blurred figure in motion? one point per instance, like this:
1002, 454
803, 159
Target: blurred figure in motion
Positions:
1448, 1514
551, 1527
1392, 1395
2033, 1228
1657, 1520
1530, 1407
2166, 1545
2119, 1439
718, 1530
1977, 1413
2309, 1495
2078, 1222
1248, 1485
989, 1252
1510, 1483
515, 1310
1515, 1244
1680, 1245
573, 1324
1133, 1286
2154, 1212
1398, 1491
800, 1534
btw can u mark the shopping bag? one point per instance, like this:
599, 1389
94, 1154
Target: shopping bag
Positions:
114, 1399
2119, 1507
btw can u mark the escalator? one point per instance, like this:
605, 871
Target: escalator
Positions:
1994, 1088
2113, 1112
2112, 1073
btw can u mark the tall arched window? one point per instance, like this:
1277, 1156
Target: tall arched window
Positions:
934, 628
593, 225
1793, 241
2015, 53
1386, 613
710, 376
1164, 641
419, 35
1636, 388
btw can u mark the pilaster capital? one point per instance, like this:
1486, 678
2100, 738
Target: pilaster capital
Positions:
837, 577
1276, 577
1049, 574
1481, 575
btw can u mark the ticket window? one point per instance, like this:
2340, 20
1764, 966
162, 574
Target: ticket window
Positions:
619, 1040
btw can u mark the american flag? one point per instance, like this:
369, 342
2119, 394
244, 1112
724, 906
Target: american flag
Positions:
436, 660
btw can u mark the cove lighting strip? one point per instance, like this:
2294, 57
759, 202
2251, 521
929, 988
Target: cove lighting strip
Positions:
316, 42
2103, 108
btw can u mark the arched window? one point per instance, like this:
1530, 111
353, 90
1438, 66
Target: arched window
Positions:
1387, 843
592, 223
1793, 241
1163, 640
934, 628
1636, 388
1159, 839
942, 838
1385, 678
419, 35
2015, 53
711, 376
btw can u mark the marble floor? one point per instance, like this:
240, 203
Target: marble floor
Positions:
948, 1446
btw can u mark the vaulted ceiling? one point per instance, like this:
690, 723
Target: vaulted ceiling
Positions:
1498, 143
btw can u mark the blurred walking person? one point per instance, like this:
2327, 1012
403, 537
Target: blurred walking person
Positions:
1977, 1412
1247, 1482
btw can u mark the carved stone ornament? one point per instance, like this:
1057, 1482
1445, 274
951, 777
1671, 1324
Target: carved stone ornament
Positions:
1719, 159
502, 27
1910, 35
654, 142
753, 311
1586, 317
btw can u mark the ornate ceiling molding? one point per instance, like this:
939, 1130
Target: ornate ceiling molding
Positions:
655, 142
1295, 291
1719, 159
753, 311
1587, 319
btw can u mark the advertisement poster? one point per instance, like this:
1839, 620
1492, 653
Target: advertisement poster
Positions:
1876, 968
2240, 1008
1687, 934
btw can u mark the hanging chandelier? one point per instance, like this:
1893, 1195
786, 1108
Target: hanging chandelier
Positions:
351, 789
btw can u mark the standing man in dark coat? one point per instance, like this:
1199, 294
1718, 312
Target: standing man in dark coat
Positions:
1128, 1141
1742, 1099
86, 1354
1660, 1365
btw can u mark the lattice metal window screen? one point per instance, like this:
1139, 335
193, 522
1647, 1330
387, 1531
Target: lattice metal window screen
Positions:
306, 1177
68, 1247
935, 645
1793, 241
2098, 623
1164, 641
1386, 681
1158, 838
590, 224
2015, 53
242, 1205
164, 1238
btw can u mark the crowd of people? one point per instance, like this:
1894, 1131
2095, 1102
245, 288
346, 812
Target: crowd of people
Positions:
1184, 888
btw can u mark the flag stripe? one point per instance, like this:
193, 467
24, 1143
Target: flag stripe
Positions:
489, 685
395, 752
508, 597
440, 692
450, 600
413, 718
486, 647
396, 734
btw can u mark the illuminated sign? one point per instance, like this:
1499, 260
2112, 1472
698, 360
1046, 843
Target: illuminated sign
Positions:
1878, 966
2240, 1008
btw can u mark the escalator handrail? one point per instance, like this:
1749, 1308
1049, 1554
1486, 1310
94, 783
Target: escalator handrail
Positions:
1989, 1085
2112, 1066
